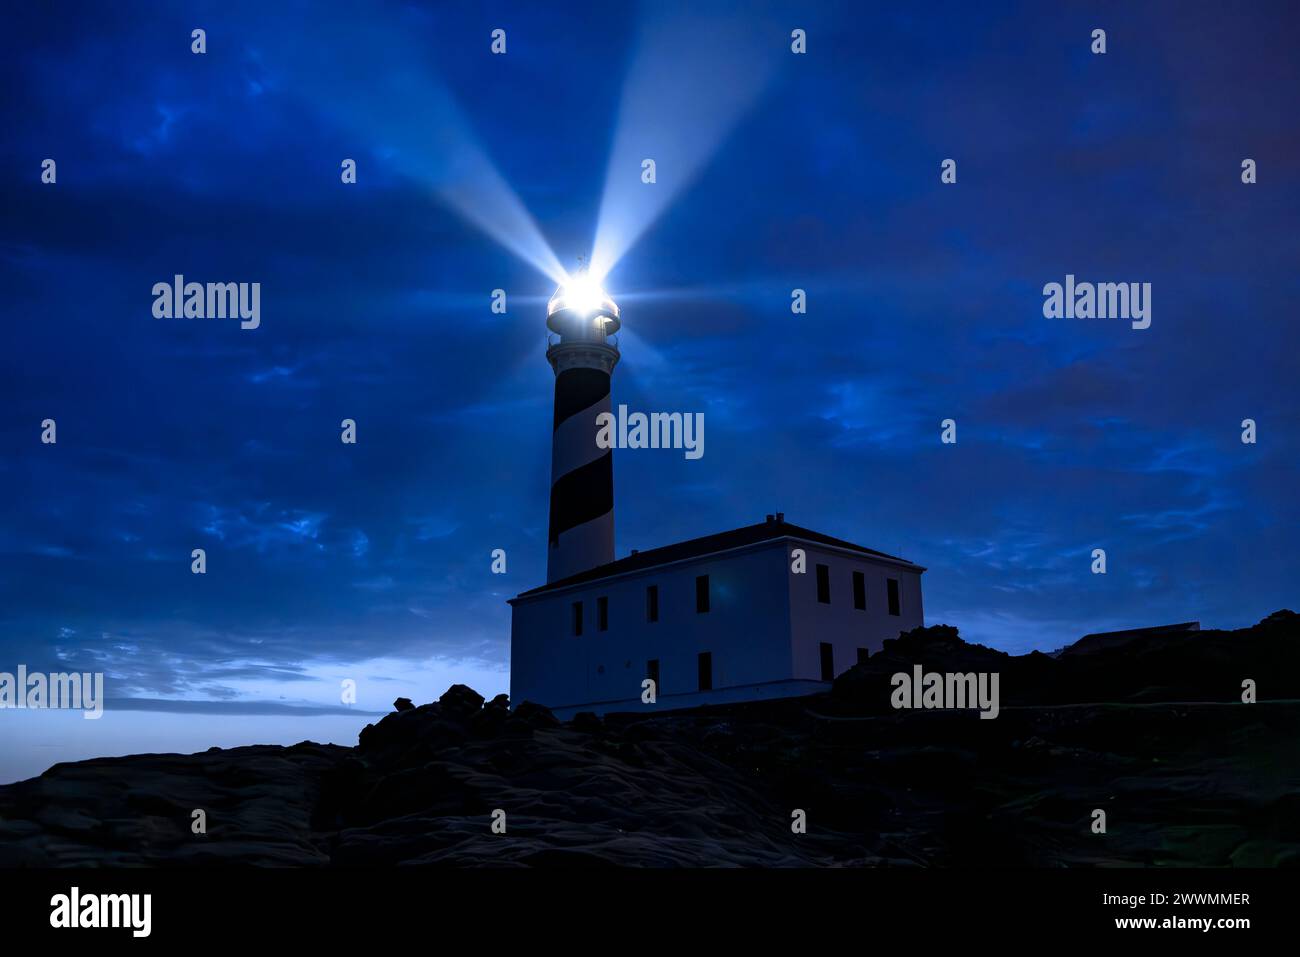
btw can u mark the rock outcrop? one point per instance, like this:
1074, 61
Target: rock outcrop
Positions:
1153, 733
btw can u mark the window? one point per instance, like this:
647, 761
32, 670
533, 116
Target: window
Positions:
859, 591
893, 596
862, 656
701, 594
824, 584
602, 613
652, 672
706, 670
577, 618
652, 603
828, 662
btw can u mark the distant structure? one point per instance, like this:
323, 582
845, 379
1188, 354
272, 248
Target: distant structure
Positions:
1105, 640
715, 619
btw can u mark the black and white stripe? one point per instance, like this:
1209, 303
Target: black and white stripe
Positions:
582, 474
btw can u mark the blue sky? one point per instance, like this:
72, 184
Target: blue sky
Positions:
777, 171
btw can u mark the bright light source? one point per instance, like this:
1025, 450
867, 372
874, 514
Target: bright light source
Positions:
582, 295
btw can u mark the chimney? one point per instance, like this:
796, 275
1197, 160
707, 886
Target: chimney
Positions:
769, 519
780, 516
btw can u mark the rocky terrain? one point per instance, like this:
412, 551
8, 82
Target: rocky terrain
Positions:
1153, 733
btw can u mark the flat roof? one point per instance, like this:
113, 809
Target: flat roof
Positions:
707, 545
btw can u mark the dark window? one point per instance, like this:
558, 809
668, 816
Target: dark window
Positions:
602, 613
652, 672
577, 618
893, 596
823, 584
862, 656
652, 603
702, 594
706, 671
859, 591
828, 662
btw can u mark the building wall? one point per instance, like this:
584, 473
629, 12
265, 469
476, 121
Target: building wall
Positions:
840, 623
746, 630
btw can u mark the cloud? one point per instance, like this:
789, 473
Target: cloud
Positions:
172, 706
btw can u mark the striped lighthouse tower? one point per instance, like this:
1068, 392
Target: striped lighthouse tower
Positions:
582, 474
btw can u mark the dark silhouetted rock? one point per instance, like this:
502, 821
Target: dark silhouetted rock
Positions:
461, 700
535, 716
403, 704
1202, 784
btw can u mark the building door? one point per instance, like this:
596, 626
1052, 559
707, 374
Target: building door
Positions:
828, 661
706, 671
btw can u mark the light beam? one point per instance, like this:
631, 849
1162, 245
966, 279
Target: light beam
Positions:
385, 94
692, 78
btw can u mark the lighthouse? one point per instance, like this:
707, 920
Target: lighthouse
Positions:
581, 318
719, 619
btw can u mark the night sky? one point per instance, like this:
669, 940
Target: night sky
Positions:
776, 171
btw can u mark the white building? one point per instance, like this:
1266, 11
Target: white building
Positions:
715, 619
727, 617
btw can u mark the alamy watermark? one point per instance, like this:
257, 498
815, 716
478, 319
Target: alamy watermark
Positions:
75, 909
77, 691
1103, 300
214, 300
658, 430
932, 690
